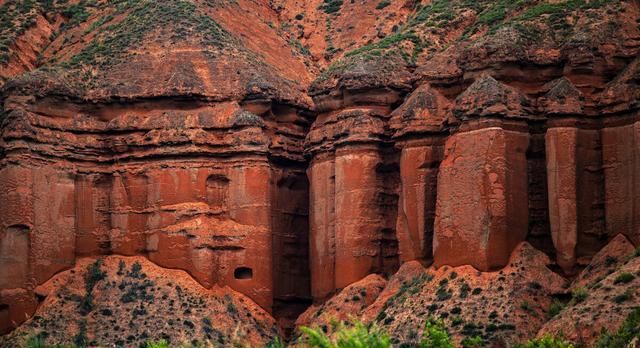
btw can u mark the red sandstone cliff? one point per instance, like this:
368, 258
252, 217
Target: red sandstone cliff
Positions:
288, 151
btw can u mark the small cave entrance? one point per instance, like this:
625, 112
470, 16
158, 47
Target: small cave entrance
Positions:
243, 273
4, 313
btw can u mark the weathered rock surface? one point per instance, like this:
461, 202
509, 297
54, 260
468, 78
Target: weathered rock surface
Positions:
609, 299
126, 301
286, 151
501, 307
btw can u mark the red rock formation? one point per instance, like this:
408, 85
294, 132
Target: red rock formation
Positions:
482, 198
419, 132
482, 184
215, 219
200, 136
352, 200
168, 304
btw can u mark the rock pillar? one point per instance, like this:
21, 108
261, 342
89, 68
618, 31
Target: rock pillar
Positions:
482, 208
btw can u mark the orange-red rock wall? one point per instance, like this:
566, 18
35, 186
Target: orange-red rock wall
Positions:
482, 210
235, 219
419, 163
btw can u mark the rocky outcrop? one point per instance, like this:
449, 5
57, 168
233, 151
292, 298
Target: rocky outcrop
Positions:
92, 305
201, 137
499, 307
490, 154
197, 167
606, 300
191, 189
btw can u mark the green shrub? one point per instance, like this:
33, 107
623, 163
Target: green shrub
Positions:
276, 343
464, 290
331, 6
94, 274
547, 341
37, 341
624, 278
473, 342
231, 308
555, 308
81, 340
346, 335
629, 331
91, 278
157, 344
121, 268
435, 335
623, 297
382, 4
525, 305
579, 295
136, 271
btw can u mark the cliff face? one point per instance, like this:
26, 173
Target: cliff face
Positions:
287, 151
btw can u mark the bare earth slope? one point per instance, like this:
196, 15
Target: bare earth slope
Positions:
127, 301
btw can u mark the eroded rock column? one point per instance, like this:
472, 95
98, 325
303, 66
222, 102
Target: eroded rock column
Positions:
352, 200
357, 218
419, 126
419, 163
322, 243
574, 174
561, 178
621, 153
482, 209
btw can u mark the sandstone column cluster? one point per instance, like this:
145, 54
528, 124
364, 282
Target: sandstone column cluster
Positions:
475, 173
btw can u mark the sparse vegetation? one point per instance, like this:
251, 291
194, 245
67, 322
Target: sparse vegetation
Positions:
141, 17
331, 6
629, 331
93, 275
472, 342
625, 296
579, 295
525, 305
36, 341
231, 307
81, 340
276, 343
382, 4
555, 308
624, 278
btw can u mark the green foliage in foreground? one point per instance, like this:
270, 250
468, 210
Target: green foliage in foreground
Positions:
359, 335
346, 335
547, 341
158, 344
435, 335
